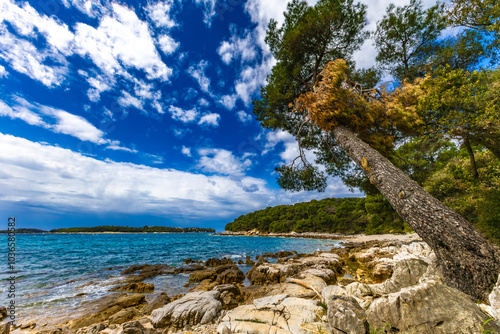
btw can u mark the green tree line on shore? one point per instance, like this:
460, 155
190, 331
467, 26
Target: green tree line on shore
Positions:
144, 229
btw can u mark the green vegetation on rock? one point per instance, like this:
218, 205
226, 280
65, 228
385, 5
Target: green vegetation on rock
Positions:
334, 215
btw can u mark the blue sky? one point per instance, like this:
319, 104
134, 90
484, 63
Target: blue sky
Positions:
139, 112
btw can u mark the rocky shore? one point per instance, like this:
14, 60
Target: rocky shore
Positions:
374, 286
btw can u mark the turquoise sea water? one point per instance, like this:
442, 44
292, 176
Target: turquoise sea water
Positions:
58, 272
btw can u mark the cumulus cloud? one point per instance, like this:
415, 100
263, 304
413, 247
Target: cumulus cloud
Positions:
203, 102
121, 38
25, 19
237, 48
243, 116
167, 44
127, 100
25, 58
159, 13
220, 161
62, 180
183, 115
228, 101
186, 151
198, 73
3, 72
210, 119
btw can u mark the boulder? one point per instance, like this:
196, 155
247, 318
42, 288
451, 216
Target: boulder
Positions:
106, 307
494, 299
230, 276
429, 307
133, 268
345, 316
275, 314
192, 309
123, 316
406, 273
264, 275
149, 271
160, 301
327, 275
93, 329
230, 295
138, 287
5, 328
332, 290
3, 312
215, 262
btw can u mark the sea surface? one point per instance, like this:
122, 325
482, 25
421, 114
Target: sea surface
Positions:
56, 273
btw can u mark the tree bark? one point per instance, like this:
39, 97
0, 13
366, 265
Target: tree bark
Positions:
472, 159
468, 261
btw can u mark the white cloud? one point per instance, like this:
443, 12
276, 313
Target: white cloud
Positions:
127, 100
121, 38
237, 47
182, 115
22, 113
221, 161
92, 8
159, 13
116, 147
228, 101
198, 73
210, 119
73, 125
167, 44
65, 181
25, 58
243, 116
186, 151
26, 19
55, 120
208, 8
252, 78
203, 102
98, 85
3, 72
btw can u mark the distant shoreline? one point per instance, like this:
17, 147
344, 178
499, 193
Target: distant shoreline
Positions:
329, 236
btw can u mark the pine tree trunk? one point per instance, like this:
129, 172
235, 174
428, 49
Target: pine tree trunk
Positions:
468, 261
472, 159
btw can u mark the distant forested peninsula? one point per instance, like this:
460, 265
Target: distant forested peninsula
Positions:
145, 229
120, 229
369, 215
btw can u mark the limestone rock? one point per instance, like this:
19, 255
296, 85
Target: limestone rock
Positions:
327, 275
429, 307
333, 290
406, 273
192, 309
138, 287
5, 328
160, 301
275, 314
345, 316
106, 307
3, 312
123, 316
494, 298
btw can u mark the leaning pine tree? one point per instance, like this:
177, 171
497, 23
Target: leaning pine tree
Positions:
310, 94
